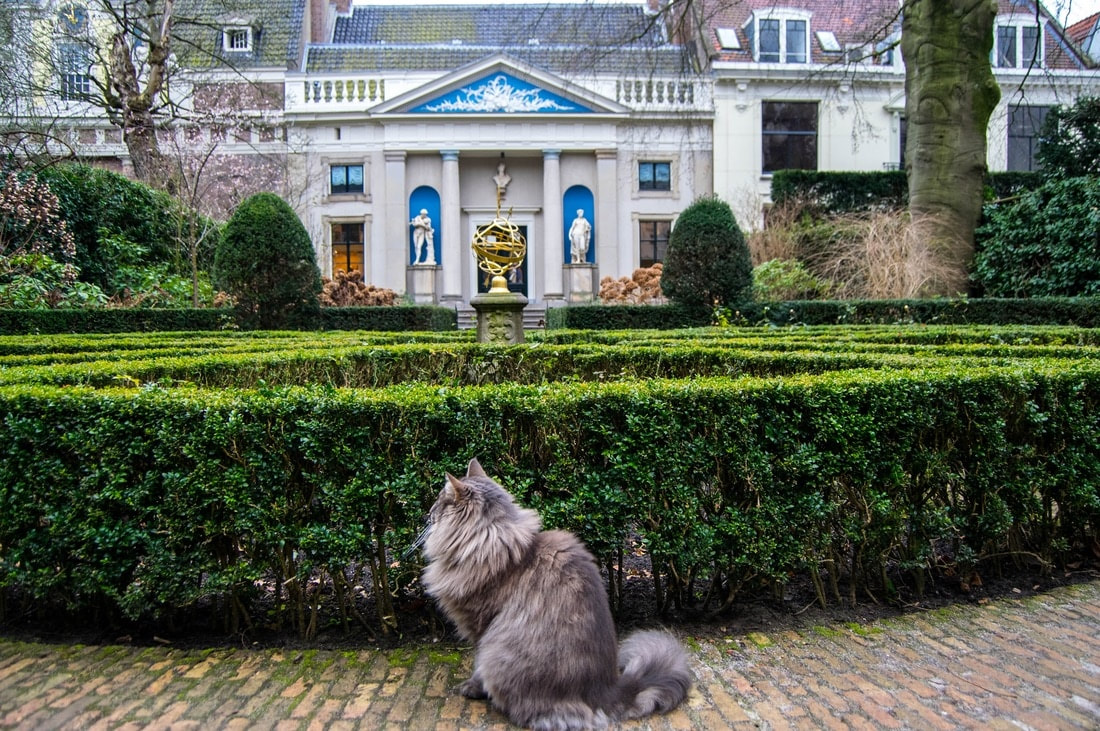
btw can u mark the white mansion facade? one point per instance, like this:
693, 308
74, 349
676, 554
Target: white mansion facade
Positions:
620, 112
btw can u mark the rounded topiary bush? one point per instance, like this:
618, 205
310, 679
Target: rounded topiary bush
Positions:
265, 261
1047, 244
707, 262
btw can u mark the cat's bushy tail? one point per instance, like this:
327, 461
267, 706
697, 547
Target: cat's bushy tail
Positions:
655, 675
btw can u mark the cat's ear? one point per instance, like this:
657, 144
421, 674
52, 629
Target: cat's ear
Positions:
474, 469
456, 489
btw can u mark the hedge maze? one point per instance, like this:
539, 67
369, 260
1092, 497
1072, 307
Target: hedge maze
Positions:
149, 475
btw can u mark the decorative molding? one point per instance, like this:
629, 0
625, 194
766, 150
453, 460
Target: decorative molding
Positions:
500, 93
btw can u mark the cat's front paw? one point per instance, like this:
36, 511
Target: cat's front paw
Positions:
473, 688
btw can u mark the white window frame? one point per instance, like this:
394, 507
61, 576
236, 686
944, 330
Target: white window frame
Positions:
231, 33
783, 15
1019, 23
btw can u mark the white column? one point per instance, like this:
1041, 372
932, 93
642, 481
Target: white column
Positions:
389, 256
452, 245
552, 233
607, 220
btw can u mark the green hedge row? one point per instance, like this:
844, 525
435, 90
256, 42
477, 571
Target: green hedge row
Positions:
146, 501
832, 192
1080, 311
16, 322
470, 364
396, 319
375, 366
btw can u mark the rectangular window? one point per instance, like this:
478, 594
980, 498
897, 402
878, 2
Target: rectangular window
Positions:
347, 247
654, 176
796, 41
1024, 125
1006, 46
652, 241
346, 179
237, 39
769, 41
1029, 45
74, 63
903, 139
789, 136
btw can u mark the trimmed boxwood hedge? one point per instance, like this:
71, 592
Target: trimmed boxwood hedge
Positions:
1081, 311
399, 318
931, 447
827, 192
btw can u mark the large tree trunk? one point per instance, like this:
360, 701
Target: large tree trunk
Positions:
950, 95
135, 98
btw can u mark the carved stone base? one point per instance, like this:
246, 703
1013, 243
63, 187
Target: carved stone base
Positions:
421, 282
499, 317
580, 282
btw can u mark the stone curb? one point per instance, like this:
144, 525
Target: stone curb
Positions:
1024, 663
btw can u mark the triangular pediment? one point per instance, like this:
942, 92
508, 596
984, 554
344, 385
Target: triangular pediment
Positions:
499, 86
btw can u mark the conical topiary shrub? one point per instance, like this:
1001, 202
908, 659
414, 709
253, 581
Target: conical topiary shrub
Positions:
266, 261
707, 262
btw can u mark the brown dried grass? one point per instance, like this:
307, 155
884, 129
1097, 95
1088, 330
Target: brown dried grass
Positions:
887, 255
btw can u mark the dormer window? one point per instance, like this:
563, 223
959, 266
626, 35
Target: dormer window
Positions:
1017, 43
779, 36
237, 39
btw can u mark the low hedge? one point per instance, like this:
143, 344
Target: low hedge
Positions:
1080, 311
149, 500
828, 192
397, 319
625, 317
16, 322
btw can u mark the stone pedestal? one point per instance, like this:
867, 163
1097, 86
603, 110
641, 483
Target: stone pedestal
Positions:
580, 283
422, 283
499, 317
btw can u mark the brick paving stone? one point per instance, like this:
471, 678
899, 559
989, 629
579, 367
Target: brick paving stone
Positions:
1030, 662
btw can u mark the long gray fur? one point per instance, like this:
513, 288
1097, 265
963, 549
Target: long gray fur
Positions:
534, 604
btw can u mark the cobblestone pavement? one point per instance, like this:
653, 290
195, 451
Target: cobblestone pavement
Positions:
1025, 663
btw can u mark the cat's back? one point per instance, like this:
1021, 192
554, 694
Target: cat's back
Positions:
560, 565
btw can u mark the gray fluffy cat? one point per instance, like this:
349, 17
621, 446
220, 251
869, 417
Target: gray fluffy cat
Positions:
534, 604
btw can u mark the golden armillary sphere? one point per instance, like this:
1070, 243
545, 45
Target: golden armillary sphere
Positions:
499, 248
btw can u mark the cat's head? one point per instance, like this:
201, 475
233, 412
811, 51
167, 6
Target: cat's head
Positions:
471, 507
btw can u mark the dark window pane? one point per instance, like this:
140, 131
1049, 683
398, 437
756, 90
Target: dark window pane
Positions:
653, 241
654, 176
790, 117
1030, 45
662, 177
1024, 126
789, 136
1006, 46
769, 41
796, 41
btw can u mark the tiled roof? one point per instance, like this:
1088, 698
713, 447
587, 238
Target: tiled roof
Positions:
447, 58
576, 25
1080, 31
556, 37
853, 22
276, 28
